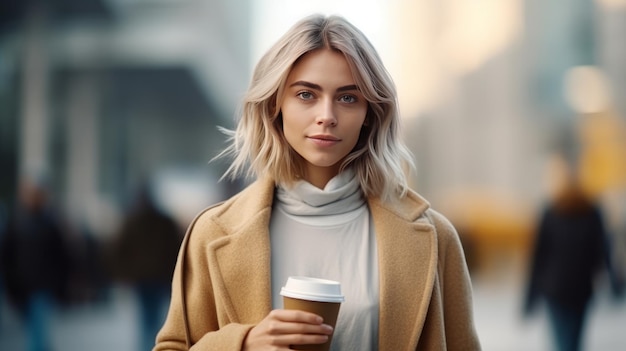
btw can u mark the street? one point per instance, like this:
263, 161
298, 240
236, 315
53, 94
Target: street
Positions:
112, 325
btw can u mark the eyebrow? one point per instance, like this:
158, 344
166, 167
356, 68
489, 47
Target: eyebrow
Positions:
318, 87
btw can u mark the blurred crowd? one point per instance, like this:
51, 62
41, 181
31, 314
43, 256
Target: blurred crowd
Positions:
46, 265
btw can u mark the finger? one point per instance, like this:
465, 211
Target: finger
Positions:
290, 328
300, 339
297, 316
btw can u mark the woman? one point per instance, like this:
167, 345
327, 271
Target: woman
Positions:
319, 130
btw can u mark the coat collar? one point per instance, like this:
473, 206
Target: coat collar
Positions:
407, 254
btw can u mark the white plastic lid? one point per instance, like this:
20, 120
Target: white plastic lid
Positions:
314, 289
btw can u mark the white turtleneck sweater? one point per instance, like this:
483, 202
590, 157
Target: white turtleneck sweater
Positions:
328, 234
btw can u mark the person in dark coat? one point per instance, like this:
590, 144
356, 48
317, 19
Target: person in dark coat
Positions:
35, 261
145, 252
571, 249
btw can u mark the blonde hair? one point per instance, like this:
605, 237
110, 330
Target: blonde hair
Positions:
258, 145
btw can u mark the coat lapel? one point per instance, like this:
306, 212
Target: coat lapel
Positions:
240, 262
407, 253
407, 256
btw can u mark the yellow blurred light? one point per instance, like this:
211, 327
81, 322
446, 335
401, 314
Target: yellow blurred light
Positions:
603, 155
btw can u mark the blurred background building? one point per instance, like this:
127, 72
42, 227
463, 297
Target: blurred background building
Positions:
103, 96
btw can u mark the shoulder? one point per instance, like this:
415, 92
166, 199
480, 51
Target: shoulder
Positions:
443, 226
410, 207
227, 215
415, 208
253, 198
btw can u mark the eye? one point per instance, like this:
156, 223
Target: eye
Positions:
305, 95
348, 99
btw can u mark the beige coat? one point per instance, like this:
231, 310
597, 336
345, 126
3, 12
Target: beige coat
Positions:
221, 284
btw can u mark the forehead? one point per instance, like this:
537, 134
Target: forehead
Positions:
322, 65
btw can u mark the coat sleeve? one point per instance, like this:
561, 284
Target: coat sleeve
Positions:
455, 288
192, 322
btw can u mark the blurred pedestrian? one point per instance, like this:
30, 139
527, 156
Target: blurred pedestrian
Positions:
145, 252
35, 261
320, 132
570, 251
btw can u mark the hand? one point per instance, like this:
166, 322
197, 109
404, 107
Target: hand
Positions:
282, 328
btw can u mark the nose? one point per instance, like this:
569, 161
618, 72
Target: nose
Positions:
326, 115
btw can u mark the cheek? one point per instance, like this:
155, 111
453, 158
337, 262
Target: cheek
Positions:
358, 122
358, 133
291, 127
358, 130
287, 112
294, 117
287, 122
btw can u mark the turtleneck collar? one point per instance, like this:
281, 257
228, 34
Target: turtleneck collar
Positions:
341, 194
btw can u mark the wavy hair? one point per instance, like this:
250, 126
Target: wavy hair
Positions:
258, 146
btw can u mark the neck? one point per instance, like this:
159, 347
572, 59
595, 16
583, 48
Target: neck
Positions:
320, 176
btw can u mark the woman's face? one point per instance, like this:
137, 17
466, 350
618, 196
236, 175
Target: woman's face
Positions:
323, 112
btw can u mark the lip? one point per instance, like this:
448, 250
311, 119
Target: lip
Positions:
324, 139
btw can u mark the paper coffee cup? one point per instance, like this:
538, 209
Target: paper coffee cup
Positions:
320, 296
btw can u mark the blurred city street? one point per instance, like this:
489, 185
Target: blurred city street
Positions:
101, 100
110, 325
113, 326
502, 328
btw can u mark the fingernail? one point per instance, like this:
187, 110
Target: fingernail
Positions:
327, 327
